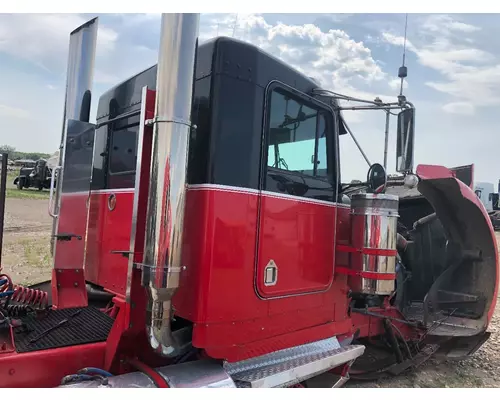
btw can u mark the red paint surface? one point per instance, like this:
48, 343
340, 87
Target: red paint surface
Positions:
298, 237
45, 369
72, 220
433, 172
68, 288
218, 287
127, 337
108, 232
69, 255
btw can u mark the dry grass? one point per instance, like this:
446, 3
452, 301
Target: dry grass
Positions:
26, 243
13, 193
26, 257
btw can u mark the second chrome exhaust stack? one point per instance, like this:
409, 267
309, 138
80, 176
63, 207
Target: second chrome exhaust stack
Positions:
166, 201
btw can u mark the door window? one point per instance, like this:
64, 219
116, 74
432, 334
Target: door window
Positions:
297, 136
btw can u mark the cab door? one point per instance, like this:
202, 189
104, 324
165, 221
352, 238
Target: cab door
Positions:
297, 212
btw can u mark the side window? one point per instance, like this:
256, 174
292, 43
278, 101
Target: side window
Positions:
123, 151
99, 164
478, 193
297, 136
122, 154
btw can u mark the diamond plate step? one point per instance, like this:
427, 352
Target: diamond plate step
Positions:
290, 366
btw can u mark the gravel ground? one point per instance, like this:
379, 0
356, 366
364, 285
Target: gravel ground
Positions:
26, 249
26, 257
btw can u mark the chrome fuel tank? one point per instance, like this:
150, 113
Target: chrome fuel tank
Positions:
374, 236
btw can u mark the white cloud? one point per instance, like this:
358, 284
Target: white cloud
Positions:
14, 112
395, 84
461, 108
440, 23
397, 40
333, 57
468, 72
43, 39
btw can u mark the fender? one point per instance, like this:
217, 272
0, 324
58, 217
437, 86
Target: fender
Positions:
468, 225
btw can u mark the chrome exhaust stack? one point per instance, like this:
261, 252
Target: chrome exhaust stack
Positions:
77, 102
166, 200
81, 60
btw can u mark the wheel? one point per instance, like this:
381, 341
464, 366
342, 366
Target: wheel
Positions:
20, 184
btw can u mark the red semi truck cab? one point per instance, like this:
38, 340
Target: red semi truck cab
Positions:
202, 229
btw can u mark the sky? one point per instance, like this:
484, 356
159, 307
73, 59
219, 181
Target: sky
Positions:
453, 65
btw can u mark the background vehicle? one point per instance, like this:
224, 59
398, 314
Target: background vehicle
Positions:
485, 191
38, 176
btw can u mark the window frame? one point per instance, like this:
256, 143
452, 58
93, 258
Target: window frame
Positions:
115, 128
111, 136
331, 122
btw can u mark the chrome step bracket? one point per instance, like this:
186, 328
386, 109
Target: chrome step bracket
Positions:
196, 374
290, 366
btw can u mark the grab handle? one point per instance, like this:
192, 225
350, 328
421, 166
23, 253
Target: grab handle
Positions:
51, 193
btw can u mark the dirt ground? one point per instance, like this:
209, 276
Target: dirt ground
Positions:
26, 250
26, 257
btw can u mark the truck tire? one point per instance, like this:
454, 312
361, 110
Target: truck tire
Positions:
20, 184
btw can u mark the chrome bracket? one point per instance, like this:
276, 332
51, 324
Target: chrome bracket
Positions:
152, 273
155, 120
152, 268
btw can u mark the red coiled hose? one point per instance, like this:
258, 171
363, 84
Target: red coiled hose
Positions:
25, 296
30, 297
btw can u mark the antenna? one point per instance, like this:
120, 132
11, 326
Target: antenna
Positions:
235, 23
403, 71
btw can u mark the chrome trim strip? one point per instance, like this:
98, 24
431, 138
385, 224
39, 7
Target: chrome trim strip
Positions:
299, 199
101, 191
235, 189
134, 190
222, 188
114, 191
230, 189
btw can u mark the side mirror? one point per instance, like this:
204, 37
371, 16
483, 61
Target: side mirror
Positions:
377, 178
405, 133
